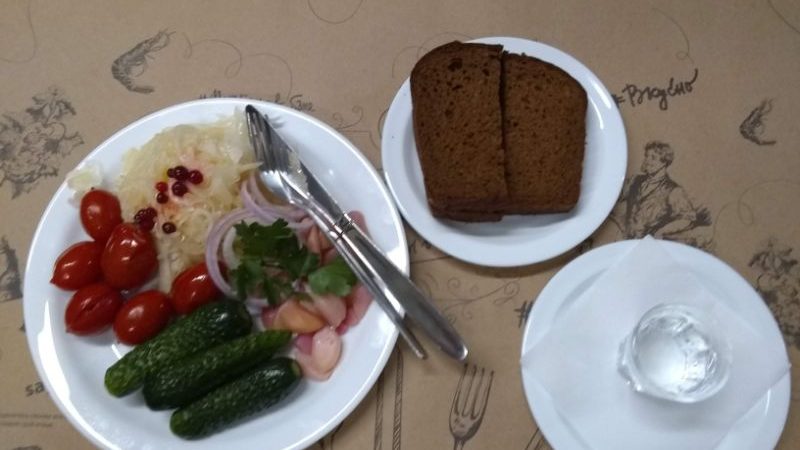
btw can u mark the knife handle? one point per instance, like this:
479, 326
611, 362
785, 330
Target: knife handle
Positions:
398, 286
364, 273
380, 295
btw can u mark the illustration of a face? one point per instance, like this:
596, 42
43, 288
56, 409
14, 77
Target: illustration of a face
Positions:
652, 162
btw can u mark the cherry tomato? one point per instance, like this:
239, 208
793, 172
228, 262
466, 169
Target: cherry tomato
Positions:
78, 266
193, 288
100, 214
142, 317
129, 258
92, 309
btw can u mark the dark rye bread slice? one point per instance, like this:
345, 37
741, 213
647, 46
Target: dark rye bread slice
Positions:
458, 127
544, 134
467, 216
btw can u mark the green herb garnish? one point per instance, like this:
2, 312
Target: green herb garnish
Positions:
335, 278
272, 259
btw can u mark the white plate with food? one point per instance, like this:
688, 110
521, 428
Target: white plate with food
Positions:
516, 239
760, 427
73, 366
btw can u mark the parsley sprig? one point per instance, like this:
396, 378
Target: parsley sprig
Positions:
272, 259
335, 278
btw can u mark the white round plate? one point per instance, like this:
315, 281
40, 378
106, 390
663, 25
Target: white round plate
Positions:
760, 428
73, 367
515, 240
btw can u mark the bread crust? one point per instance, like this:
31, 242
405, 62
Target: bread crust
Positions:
544, 135
497, 133
458, 126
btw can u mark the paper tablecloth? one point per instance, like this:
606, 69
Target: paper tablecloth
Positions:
709, 91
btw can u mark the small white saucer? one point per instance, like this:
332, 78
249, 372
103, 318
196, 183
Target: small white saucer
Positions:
760, 428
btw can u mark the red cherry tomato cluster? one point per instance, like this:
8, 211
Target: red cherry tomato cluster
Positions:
192, 289
142, 317
122, 257
129, 258
100, 214
78, 266
92, 309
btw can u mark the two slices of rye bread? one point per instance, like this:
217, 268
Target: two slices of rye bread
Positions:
497, 133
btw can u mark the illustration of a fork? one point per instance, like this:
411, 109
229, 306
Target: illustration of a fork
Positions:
469, 404
538, 442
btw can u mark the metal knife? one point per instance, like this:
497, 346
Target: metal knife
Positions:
369, 262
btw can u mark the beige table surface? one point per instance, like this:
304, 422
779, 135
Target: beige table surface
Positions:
72, 73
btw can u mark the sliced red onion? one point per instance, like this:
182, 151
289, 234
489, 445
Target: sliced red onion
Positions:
256, 208
289, 213
215, 236
329, 255
226, 250
256, 306
252, 186
268, 315
259, 211
303, 342
359, 300
326, 349
255, 192
308, 367
330, 307
359, 219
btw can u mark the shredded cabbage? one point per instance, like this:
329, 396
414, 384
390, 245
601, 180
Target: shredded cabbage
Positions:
221, 151
84, 178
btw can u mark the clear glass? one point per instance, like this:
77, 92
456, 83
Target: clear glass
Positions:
676, 352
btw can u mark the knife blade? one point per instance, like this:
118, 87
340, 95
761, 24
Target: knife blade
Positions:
393, 283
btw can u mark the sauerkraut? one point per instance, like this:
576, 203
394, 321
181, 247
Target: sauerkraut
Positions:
84, 178
221, 151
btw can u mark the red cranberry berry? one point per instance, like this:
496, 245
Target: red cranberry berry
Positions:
162, 186
171, 172
179, 189
168, 227
147, 224
162, 197
195, 177
181, 173
140, 215
151, 212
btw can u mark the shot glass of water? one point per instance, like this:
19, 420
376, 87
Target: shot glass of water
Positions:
676, 352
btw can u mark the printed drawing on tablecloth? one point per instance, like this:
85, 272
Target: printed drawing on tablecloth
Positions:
469, 403
778, 282
652, 203
33, 142
397, 405
21, 45
334, 13
328, 442
221, 57
538, 442
781, 12
133, 63
10, 280
753, 127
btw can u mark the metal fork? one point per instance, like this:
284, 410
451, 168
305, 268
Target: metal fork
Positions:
273, 171
469, 404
